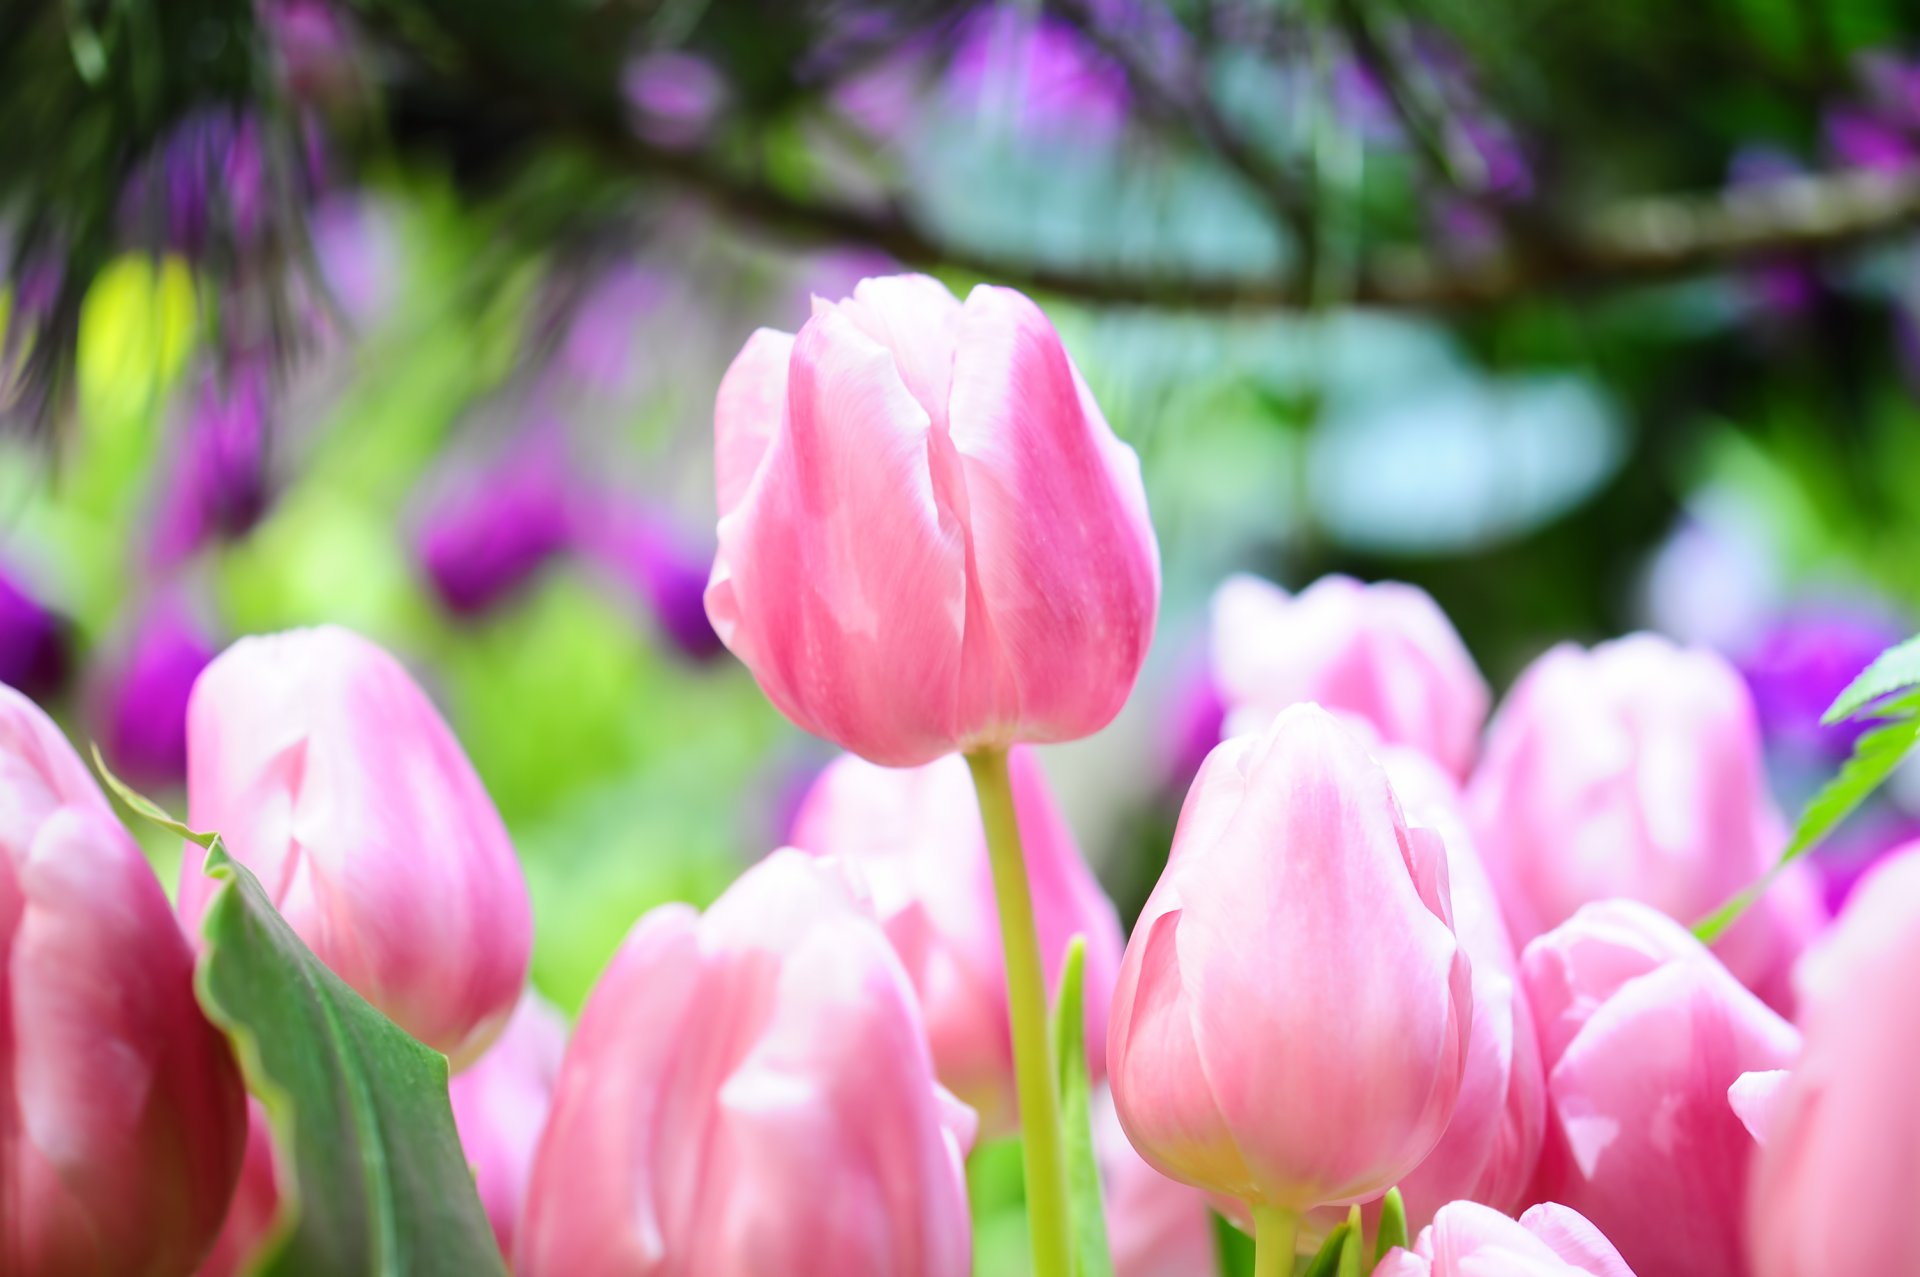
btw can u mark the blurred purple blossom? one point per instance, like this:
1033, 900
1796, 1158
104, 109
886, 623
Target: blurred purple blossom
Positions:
1803, 660
218, 487
206, 178
359, 260
1862, 140
1038, 73
139, 701
675, 97
491, 530
601, 342
1781, 287
649, 555
313, 48
1195, 714
35, 642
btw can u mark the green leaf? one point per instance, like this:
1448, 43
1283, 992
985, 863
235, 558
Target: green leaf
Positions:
1353, 1248
373, 1181
1393, 1225
1232, 1248
1875, 756
1327, 1262
1895, 670
1091, 1256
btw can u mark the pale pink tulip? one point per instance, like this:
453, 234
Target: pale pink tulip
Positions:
1467, 1239
773, 1044
1755, 1098
1156, 1227
1835, 1185
1292, 1020
1643, 1032
331, 776
917, 839
930, 541
500, 1107
1383, 653
125, 1112
1633, 770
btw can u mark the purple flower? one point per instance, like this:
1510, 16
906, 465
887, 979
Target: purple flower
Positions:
35, 643
140, 700
313, 47
654, 559
1860, 139
600, 341
207, 176
1803, 660
1193, 721
218, 488
675, 97
491, 531
1041, 74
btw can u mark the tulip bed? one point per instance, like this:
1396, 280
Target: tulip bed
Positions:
1408, 998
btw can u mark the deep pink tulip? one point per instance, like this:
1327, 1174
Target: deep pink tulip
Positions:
1467, 1239
500, 1106
930, 541
1292, 1020
1835, 1186
773, 1043
917, 839
1384, 653
255, 1207
331, 776
1633, 770
1643, 1032
1492, 1145
1156, 1227
125, 1113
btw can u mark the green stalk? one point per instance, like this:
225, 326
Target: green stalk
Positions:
1273, 1233
1034, 1082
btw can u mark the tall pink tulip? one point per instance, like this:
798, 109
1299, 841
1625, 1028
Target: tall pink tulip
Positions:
332, 778
930, 541
773, 1044
1633, 770
1835, 1187
1644, 1031
1384, 653
255, 1208
1467, 1239
1292, 1021
500, 1106
1492, 1145
125, 1113
917, 837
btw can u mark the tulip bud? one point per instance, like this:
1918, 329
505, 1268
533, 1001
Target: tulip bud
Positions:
1643, 1032
1156, 1227
1633, 770
126, 1113
930, 541
500, 1106
1383, 653
218, 489
916, 837
331, 776
1834, 1187
774, 1045
1467, 1239
1292, 1020
489, 533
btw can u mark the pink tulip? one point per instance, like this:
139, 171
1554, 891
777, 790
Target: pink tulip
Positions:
125, 1113
773, 1044
255, 1208
1633, 770
1467, 1239
1492, 1145
917, 839
1755, 1098
1156, 1227
1644, 1031
1292, 1021
500, 1106
1383, 653
331, 776
1834, 1188
930, 541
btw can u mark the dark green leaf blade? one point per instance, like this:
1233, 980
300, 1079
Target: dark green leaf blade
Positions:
1091, 1256
1875, 756
1393, 1225
1894, 670
1326, 1263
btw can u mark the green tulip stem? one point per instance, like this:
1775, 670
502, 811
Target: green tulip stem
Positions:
1273, 1232
1034, 1076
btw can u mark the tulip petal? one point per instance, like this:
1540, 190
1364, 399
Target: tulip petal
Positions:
748, 411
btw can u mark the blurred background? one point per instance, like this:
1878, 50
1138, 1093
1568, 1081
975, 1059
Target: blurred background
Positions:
408, 315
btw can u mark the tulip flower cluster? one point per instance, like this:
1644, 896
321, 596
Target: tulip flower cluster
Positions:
1405, 972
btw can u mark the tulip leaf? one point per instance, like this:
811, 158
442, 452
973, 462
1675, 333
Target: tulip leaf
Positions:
1353, 1247
1393, 1225
1326, 1262
1089, 1231
1895, 670
1876, 755
372, 1179
1232, 1248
